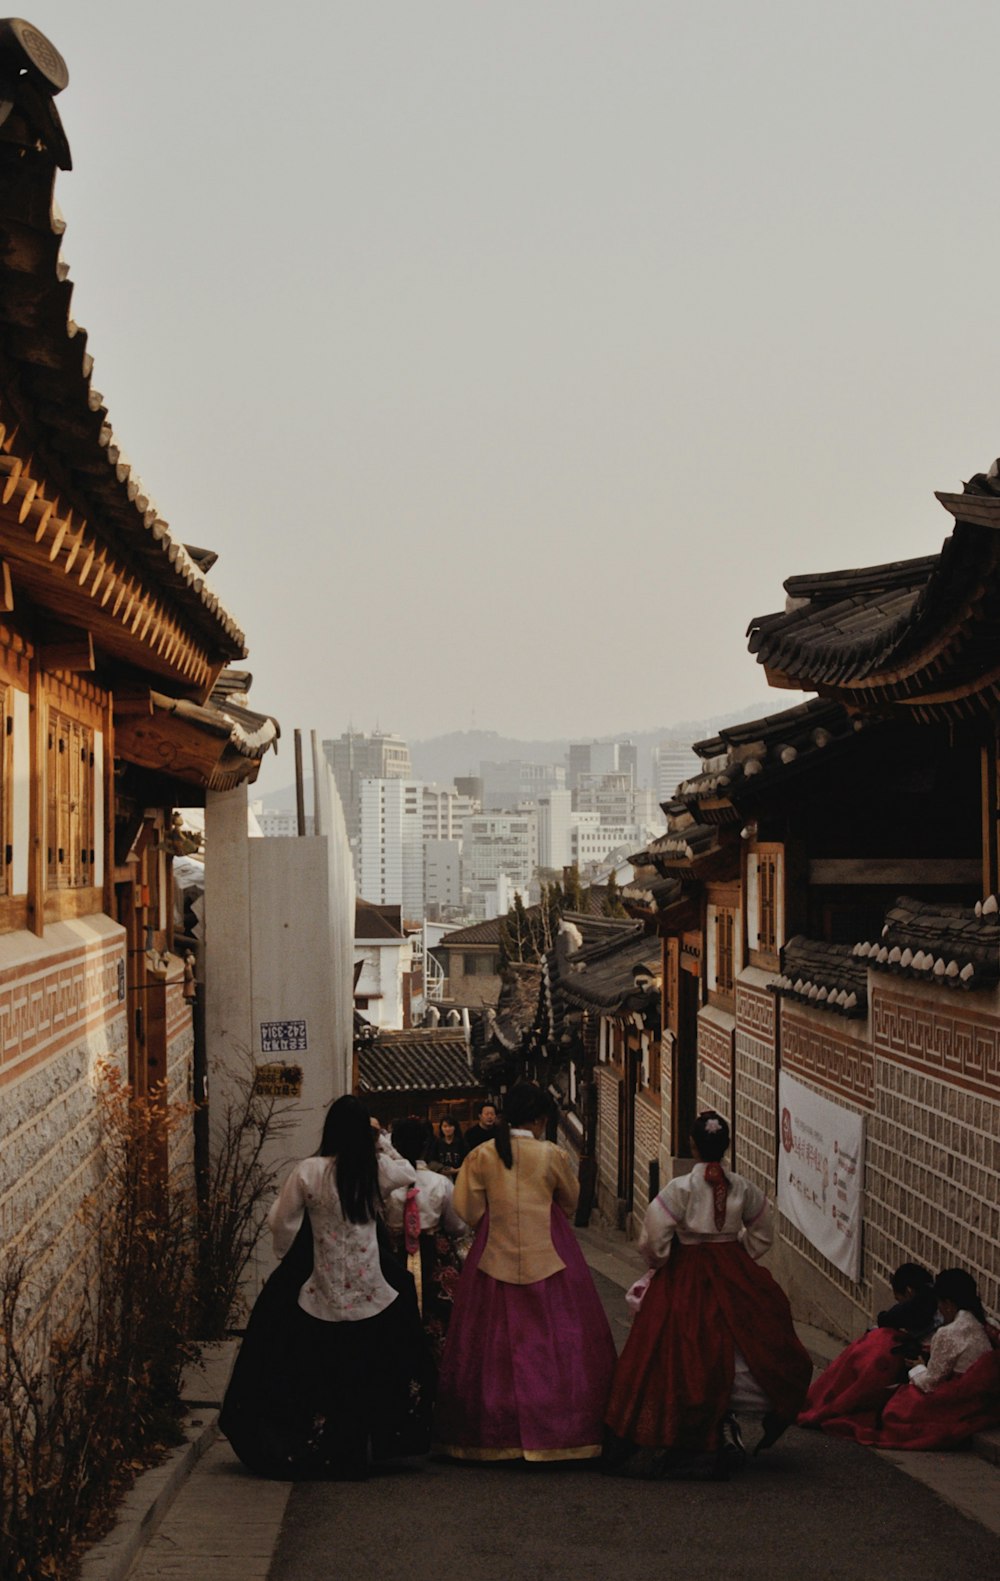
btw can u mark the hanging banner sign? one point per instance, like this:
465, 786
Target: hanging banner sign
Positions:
821, 1171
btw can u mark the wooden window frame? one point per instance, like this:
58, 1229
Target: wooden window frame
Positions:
770, 860
6, 787
70, 768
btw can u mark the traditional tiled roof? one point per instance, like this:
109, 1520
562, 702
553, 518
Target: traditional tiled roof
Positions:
824, 976
517, 1008
921, 636
415, 1061
478, 933
610, 974
947, 946
750, 760
376, 922
86, 507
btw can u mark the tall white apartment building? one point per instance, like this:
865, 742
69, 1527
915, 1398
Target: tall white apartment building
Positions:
495, 843
555, 829
442, 878
593, 841
444, 810
355, 757
391, 850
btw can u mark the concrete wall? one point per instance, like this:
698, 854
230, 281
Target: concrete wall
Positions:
279, 925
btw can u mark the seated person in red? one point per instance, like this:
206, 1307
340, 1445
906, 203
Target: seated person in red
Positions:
862, 1375
954, 1394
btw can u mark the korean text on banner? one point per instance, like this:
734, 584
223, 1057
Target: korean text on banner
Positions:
820, 1172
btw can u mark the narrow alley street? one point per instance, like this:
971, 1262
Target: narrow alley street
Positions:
811, 1508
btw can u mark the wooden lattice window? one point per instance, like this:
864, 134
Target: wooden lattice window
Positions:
70, 803
725, 972
768, 871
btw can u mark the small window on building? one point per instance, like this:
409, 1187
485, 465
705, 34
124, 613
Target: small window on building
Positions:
769, 909
70, 803
725, 918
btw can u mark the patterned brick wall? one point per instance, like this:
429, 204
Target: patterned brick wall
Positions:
180, 1083
47, 1004
756, 1080
647, 1150
607, 1140
60, 1019
932, 1147
933, 1167
833, 1054
715, 1063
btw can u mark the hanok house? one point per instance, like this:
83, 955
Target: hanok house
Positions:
471, 959
837, 995
113, 710
598, 1052
425, 1072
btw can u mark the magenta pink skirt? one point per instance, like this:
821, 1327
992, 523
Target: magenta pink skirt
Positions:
526, 1369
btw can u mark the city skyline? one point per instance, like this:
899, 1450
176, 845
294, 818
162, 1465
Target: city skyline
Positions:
490, 319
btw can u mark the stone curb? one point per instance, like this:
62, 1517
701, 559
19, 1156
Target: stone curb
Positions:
147, 1502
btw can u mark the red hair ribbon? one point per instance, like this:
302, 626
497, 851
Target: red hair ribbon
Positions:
716, 1177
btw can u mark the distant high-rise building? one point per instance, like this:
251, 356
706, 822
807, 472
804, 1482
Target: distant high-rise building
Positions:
673, 762
508, 784
355, 757
495, 843
391, 856
602, 757
555, 818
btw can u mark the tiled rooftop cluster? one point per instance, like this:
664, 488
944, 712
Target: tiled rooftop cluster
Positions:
824, 976
949, 946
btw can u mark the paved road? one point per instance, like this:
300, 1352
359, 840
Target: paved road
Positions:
812, 1508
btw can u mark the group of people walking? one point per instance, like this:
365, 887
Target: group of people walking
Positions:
384, 1332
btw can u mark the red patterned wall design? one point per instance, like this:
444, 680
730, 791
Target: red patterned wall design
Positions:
840, 1064
755, 1012
956, 1039
46, 1007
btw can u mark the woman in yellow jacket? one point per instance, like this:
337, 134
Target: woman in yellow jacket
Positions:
528, 1361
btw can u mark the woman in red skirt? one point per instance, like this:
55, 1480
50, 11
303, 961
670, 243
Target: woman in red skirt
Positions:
713, 1333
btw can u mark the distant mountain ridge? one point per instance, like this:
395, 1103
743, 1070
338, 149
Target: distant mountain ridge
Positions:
460, 752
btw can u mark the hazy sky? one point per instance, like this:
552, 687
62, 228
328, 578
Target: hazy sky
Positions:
511, 354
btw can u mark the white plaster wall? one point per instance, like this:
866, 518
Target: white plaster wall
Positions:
279, 928
22, 793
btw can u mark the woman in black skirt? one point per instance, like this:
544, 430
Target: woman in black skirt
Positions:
334, 1370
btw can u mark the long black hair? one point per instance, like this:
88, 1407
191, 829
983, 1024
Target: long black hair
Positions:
349, 1138
955, 1284
408, 1138
524, 1104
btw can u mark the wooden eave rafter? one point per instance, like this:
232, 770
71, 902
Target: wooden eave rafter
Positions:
193, 751
65, 569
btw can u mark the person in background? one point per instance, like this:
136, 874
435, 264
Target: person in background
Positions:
962, 1337
949, 1396
713, 1333
529, 1355
862, 1377
333, 1371
425, 1232
448, 1149
485, 1128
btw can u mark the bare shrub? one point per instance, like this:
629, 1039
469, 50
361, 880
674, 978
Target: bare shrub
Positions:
235, 1190
86, 1397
